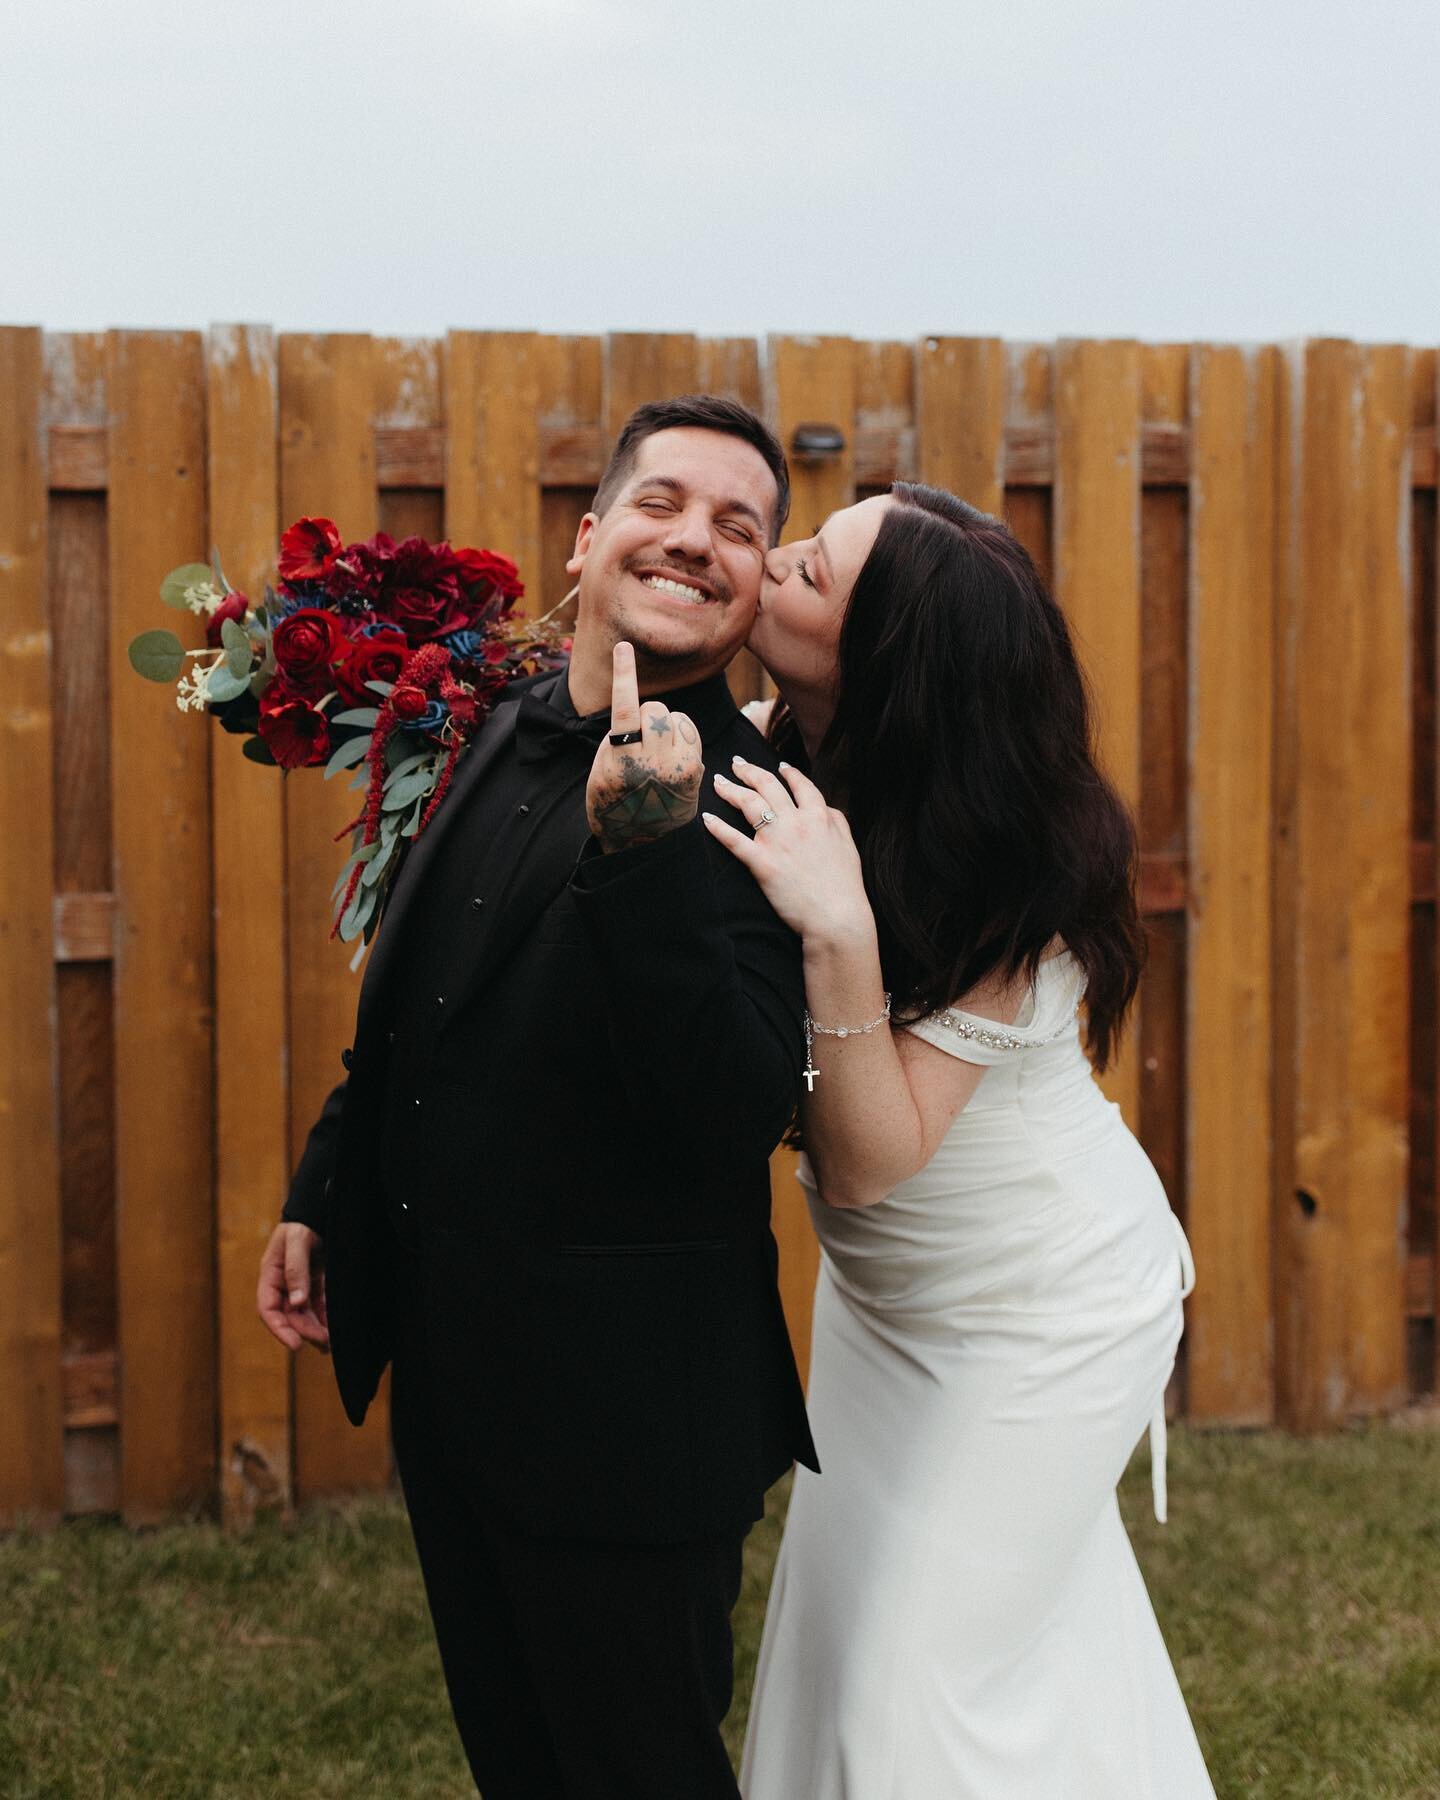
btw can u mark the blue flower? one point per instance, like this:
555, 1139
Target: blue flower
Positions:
465, 643
433, 717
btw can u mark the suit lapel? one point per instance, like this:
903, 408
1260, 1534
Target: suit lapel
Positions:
473, 764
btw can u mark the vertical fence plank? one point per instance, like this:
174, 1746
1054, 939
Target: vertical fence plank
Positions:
1232, 518
1319, 570
79, 609
808, 380
960, 424
1376, 1045
1164, 522
572, 380
492, 447
32, 1473
641, 366
163, 1019
1030, 417
730, 367
327, 467
251, 1088
1097, 574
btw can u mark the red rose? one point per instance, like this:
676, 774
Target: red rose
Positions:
306, 643
377, 658
477, 567
422, 614
308, 549
297, 735
233, 606
409, 702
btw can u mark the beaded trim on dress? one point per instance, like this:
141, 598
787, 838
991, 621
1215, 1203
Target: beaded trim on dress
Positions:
995, 1040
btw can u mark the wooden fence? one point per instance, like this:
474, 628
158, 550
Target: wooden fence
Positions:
1245, 541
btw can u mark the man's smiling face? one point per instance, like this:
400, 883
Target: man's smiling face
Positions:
674, 564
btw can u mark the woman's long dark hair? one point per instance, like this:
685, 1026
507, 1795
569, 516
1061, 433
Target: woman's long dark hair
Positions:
962, 752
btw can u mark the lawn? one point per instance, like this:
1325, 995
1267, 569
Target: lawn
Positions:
1298, 1585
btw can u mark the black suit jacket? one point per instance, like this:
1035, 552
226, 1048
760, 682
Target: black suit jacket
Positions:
595, 1260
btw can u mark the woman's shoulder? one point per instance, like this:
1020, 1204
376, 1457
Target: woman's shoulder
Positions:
1001, 1015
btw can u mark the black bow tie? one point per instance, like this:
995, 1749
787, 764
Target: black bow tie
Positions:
541, 731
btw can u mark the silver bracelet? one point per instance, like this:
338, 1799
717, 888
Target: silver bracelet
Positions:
839, 1031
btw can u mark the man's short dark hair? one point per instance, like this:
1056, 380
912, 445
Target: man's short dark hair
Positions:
703, 412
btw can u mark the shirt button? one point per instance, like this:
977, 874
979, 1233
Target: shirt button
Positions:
439, 999
417, 1100
404, 1206
476, 904
522, 810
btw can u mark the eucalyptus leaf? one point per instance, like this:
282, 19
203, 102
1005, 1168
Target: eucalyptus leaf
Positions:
410, 766
400, 763
412, 825
239, 650
353, 750
188, 575
358, 715
408, 788
220, 581
381, 687
377, 870
366, 853
358, 911
157, 655
225, 686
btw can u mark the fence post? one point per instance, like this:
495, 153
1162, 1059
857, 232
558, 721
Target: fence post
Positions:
164, 1044
252, 1161
1097, 575
327, 467
32, 1475
1341, 884
1232, 522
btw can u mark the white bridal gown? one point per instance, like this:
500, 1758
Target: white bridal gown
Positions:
956, 1612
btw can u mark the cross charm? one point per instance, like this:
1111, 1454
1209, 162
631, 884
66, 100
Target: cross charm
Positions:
810, 1075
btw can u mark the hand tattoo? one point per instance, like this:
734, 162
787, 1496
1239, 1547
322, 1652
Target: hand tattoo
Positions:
645, 808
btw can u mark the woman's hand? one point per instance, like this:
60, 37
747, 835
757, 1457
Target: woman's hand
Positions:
802, 853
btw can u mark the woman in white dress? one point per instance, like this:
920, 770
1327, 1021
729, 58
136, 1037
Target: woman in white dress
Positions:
957, 1613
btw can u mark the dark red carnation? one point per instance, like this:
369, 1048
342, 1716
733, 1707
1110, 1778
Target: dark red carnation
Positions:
362, 568
409, 702
377, 658
485, 566
308, 549
307, 642
297, 735
233, 606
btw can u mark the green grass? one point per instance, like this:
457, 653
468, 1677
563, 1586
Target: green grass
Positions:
1298, 1585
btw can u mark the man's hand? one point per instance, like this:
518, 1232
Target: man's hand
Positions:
291, 1295
642, 791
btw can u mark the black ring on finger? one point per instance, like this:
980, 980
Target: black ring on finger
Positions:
627, 737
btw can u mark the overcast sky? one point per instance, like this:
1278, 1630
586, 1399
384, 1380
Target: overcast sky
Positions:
1225, 169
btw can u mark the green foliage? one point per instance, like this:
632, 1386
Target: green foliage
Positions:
350, 752
239, 649
157, 655
188, 575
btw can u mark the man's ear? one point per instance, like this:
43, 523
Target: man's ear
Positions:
584, 537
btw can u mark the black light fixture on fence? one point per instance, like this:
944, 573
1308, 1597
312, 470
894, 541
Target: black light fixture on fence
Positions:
815, 443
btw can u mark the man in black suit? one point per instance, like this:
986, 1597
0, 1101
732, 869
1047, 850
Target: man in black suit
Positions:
543, 1190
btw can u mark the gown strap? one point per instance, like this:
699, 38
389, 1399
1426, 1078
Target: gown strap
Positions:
1158, 1440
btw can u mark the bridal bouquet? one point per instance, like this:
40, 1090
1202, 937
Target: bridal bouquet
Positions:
378, 657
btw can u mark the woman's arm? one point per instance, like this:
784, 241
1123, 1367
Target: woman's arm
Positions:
881, 1100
